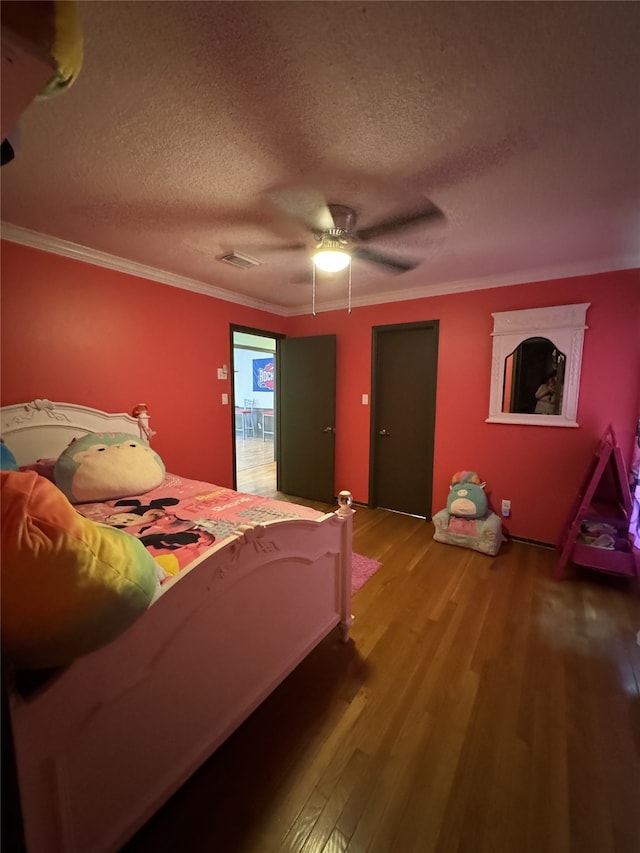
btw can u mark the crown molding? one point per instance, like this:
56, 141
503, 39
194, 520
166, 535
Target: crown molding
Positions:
56, 246
531, 276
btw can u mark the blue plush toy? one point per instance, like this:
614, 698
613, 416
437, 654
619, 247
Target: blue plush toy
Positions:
7, 459
467, 498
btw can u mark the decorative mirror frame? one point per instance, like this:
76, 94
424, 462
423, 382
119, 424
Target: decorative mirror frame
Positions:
564, 326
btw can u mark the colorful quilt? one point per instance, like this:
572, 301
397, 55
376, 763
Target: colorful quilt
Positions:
181, 519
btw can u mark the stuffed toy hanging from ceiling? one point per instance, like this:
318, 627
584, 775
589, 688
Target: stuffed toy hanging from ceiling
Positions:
45, 30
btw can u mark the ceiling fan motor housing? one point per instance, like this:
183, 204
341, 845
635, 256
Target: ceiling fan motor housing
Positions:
344, 218
333, 239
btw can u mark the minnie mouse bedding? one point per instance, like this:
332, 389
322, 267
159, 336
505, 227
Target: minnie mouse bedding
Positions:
181, 519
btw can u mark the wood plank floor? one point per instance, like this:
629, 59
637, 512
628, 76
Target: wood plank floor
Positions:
253, 453
480, 706
258, 481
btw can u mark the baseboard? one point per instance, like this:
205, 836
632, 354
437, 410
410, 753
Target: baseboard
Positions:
531, 542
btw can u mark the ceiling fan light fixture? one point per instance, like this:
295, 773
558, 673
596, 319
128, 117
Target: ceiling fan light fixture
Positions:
331, 254
332, 260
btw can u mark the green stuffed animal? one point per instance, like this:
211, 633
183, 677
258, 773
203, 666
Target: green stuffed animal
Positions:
467, 498
102, 466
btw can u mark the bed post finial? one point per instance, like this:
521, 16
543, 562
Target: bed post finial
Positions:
142, 414
345, 499
345, 512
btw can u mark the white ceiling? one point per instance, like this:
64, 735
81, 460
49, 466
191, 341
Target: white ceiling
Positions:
520, 121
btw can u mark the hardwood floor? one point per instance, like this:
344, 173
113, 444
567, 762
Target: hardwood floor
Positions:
480, 706
253, 452
255, 466
258, 481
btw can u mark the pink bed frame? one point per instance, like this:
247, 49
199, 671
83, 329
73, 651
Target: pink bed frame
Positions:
111, 737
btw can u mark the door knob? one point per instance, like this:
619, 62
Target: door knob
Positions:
383, 432
329, 429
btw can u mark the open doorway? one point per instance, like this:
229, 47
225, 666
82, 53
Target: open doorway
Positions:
254, 374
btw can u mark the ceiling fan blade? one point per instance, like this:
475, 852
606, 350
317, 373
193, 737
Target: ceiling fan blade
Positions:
301, 279
395, 264
426, 214
304, 204
268, 248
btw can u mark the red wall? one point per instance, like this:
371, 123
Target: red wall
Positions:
538, 468
71, 331
81, 333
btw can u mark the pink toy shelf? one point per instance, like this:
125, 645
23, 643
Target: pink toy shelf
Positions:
597, 532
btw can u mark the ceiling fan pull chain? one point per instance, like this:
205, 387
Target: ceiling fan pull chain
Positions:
349, 311
313, 289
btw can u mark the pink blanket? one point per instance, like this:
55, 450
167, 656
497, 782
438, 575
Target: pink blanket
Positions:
181, 519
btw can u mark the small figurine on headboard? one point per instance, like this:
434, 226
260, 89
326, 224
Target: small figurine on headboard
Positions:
142, 414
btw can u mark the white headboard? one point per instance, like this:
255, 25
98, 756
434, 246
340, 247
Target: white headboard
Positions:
42, 429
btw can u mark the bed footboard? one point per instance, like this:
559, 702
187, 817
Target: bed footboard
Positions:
109, 739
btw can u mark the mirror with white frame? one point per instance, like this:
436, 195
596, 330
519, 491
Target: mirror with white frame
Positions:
535, 371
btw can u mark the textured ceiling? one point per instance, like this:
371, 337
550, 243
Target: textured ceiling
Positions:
196, 128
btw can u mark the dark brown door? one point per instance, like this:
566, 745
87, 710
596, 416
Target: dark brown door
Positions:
404, 367
306, 401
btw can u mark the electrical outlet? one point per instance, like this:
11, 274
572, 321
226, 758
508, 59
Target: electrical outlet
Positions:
506, 509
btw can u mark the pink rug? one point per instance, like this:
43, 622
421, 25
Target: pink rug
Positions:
361, 570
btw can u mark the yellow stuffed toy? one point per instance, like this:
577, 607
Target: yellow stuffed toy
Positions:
69, 585
53, 26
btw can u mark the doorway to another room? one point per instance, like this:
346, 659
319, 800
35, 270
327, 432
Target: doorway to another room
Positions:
254, 367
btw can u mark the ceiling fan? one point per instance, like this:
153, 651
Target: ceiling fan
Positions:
337, 241
338, 244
